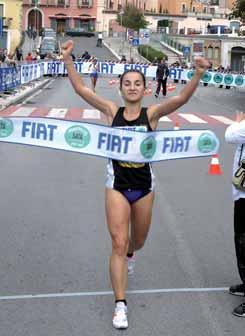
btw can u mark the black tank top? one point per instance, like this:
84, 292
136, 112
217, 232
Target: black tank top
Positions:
129, 175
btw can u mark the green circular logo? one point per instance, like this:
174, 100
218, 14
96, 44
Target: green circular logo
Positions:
148, 147
206, 143
239, 80
77, 136
190, 74
228, 79
218, 78
6, 127
206, 77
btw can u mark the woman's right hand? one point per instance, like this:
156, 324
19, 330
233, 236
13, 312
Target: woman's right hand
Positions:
67, 48
240, 116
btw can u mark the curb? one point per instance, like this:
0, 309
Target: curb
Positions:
15, 100
111, 50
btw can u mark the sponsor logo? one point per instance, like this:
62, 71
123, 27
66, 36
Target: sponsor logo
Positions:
6, 127
228, 79
190, 74
218, 78
206, 143
77, 136
148, 147
206, 77
239, 80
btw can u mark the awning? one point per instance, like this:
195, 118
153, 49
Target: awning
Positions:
84, 17
60, 17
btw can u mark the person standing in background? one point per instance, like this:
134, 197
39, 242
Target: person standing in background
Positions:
235, 134
99, 41
162, 74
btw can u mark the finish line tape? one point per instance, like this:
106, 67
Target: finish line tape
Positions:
131, 144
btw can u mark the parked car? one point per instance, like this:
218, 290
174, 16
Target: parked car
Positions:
78, 32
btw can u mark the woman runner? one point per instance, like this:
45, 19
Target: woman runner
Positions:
93, 69
130, 187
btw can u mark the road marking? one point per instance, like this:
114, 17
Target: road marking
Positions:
102, 293
91, 114
192, 118
222, 119
165, 119
57, 113
23, 111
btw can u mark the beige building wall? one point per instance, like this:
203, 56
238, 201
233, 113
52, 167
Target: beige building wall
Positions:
13, 20
175, 7
145, 5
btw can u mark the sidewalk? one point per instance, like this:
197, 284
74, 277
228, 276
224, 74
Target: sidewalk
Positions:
119, 47
21, 92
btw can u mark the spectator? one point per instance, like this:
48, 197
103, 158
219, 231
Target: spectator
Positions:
123, 59
162, 74
19, 54
235, 134
86, 56
29, 57
99, 41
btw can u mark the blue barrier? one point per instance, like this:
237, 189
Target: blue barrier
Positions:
12, 77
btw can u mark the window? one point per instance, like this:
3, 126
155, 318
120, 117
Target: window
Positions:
183, 8
216, 52
193, 9
210, 52
205, 10
1, 10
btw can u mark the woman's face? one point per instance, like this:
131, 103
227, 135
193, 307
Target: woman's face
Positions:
132, 87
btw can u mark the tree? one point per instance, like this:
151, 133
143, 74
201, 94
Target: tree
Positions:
131, 17
239, 10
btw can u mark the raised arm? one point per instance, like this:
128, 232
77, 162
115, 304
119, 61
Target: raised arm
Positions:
108, 107
169, 105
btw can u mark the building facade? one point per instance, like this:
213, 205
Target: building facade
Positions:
59, 14
11, 12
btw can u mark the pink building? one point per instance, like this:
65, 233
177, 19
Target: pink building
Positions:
59, 14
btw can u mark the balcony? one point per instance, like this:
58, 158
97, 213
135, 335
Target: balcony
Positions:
204, 16
47, 3
85, 3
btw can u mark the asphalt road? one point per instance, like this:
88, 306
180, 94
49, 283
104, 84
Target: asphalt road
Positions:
54, 241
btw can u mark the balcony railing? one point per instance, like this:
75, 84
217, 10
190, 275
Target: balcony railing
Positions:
55, 3
85, 3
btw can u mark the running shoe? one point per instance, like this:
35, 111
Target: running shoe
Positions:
238, 290
131, 264
240, 310
120, 320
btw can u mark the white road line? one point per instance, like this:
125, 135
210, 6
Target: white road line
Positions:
192, 118
102, 293
165, 119
23, 111
57, 113
91, 114
222, 119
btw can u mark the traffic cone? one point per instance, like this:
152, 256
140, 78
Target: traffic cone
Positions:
176, 125
171, 87
214, 167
